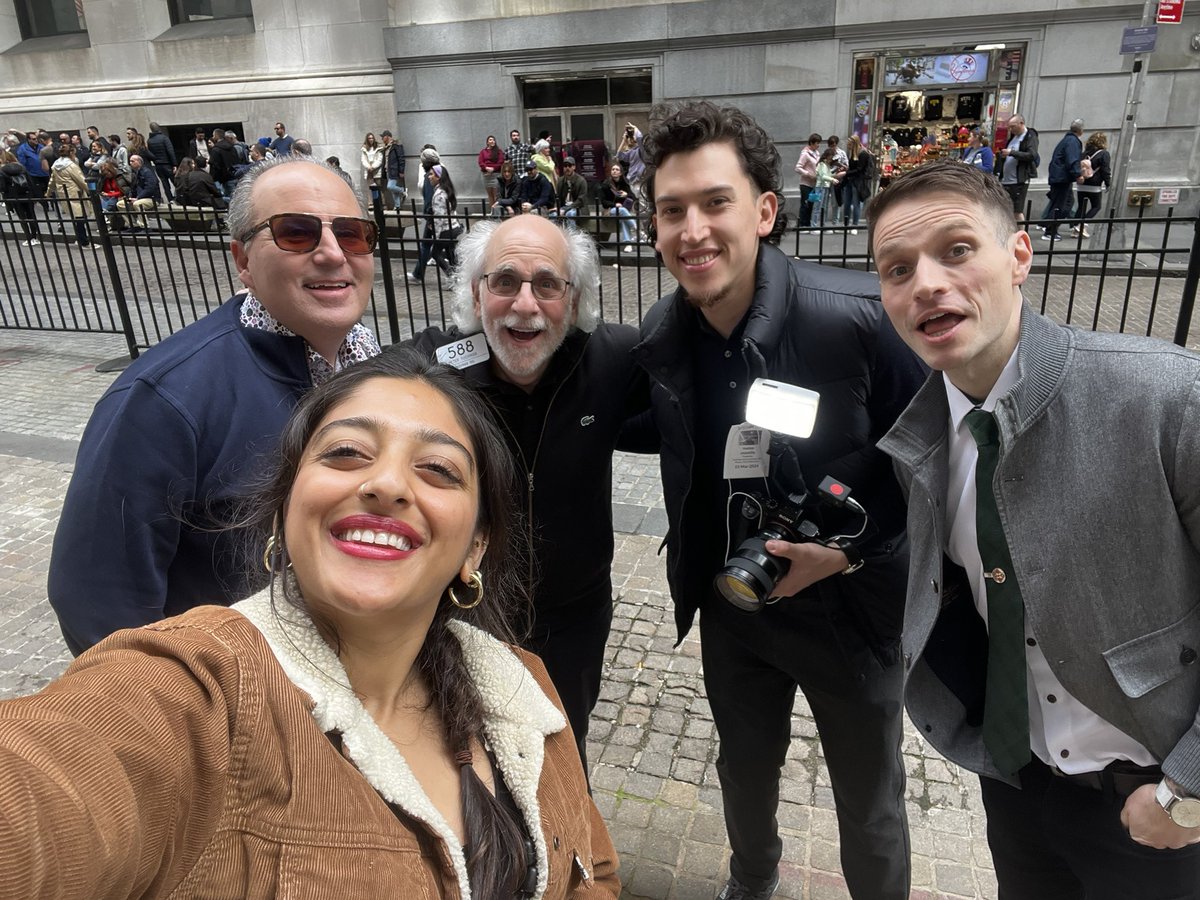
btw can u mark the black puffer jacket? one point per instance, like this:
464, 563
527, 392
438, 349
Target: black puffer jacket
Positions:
821, 328
563, 435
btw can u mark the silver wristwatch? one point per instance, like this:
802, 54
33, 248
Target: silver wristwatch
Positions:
1183, 810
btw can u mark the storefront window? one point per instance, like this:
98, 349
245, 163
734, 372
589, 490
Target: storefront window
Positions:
910, 108
45, 18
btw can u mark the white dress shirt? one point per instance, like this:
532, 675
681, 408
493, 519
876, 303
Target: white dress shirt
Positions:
1062, 731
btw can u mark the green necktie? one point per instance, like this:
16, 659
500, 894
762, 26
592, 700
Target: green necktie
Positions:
1006, 706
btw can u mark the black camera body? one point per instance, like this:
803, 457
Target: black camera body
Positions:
751, 574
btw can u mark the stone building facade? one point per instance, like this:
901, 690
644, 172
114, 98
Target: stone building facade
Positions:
452, 72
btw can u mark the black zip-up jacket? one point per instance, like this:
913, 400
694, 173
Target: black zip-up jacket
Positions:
221, 160
161, 151
821, 328
562, 435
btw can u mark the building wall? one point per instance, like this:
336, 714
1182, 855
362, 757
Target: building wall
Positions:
447, 73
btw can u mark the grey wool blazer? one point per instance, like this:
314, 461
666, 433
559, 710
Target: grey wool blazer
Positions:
1098, 488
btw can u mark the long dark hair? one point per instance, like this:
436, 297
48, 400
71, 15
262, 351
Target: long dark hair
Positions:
447, 185
496, 850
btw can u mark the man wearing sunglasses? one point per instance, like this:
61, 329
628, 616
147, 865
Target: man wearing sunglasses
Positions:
528, 335
172, 444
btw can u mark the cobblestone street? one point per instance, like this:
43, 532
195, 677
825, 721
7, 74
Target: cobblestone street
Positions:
653, 746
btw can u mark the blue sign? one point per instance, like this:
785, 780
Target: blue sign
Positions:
1139, 40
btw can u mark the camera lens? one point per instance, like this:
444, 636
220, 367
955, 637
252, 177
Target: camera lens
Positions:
751, 573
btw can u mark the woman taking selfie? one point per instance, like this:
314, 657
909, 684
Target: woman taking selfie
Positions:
354, 730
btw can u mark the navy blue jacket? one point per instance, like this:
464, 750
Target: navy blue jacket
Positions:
165, 456
145, 182
161, 150
1064, 163
537, 191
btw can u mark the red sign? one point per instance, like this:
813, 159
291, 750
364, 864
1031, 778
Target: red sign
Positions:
1170, 12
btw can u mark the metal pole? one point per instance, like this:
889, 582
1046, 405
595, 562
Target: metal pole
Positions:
385, 260
1187, 302
110, 262
1133, 98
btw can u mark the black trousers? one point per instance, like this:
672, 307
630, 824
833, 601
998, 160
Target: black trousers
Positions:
164, 179
806, 208
1061, 203
1084, 199
753, 664
572, 649
1056, 840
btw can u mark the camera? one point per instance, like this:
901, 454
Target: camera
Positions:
751, 573
786, 511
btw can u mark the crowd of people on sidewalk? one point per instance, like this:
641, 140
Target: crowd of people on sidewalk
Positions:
834, 183
410, 550
137, 176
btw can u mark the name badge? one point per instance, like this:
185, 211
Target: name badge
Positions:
746, 452
463, 354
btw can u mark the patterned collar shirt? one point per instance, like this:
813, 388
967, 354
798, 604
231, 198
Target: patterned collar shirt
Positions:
359, 344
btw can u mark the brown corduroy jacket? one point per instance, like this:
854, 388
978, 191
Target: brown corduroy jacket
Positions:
180, 760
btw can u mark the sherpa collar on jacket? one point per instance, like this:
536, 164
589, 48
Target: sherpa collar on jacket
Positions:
518, 716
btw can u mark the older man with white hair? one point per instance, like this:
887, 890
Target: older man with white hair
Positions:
528, 334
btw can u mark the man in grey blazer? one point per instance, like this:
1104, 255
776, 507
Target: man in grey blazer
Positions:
1052, 629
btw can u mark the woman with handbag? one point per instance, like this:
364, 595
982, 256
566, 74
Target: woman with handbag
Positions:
1088, 193
446, 227
372, 164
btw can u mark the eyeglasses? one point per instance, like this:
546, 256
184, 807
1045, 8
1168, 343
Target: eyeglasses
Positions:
547, 288
301, 233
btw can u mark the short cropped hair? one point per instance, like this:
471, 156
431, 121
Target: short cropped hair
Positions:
946, 176
689, 126
583, 271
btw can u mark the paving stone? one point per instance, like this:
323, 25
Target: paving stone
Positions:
633, 811
661, 846
708, 829
954, 879
678, 794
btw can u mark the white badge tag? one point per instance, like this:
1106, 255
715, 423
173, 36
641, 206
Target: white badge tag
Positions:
465, 352
746, 452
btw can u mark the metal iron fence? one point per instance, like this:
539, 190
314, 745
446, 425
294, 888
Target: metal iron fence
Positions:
171, 265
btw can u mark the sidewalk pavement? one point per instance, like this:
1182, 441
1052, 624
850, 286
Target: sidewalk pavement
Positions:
652, 744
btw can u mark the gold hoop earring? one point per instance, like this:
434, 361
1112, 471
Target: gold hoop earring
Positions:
274, 546
475, 583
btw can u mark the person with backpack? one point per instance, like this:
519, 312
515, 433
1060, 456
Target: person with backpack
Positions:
1018, 162
17, 191
1096, 169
